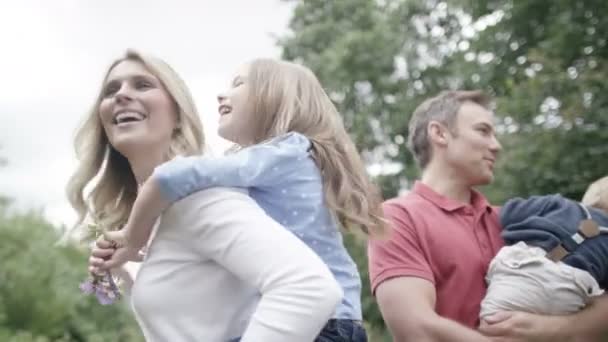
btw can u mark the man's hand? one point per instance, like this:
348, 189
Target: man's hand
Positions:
524, 327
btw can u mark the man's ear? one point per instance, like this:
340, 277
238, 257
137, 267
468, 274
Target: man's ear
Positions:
438, 133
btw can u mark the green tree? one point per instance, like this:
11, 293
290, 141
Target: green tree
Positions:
39, 296
548, 73
3, 199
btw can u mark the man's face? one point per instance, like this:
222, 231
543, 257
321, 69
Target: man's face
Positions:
472, 147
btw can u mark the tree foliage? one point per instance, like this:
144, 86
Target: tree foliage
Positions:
39, 296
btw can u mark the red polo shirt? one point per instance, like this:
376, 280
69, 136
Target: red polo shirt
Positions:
446, 242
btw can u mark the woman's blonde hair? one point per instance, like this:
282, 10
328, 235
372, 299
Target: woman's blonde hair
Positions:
110, 200
288, 97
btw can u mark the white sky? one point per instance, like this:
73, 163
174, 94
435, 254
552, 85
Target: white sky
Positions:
53, 55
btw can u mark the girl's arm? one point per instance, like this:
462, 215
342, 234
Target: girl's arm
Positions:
147, 207
254, 166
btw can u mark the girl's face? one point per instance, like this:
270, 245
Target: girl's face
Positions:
136, 111
236, 110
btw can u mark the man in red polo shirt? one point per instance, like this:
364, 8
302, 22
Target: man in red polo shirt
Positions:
429, 276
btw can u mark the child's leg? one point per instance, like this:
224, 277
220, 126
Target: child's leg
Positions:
342, 330
521, 278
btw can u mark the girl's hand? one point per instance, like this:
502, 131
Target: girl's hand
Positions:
122, 252
110, 251
102, 251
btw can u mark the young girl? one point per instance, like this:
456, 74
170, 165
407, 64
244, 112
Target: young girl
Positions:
298, 163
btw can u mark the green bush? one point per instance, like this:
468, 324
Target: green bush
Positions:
39, 296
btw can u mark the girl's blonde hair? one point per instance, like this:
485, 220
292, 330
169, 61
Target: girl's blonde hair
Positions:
288, 97
110, 200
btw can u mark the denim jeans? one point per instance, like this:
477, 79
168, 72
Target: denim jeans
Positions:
342, 330
338, 330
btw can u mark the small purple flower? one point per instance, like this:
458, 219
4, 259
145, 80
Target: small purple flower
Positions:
103, 298
104, 288
87, 287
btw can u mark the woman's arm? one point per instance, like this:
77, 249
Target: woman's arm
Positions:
298, 293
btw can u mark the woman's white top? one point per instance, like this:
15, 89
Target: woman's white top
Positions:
220, 268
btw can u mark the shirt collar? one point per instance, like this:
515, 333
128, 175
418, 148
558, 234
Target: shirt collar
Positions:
478, 201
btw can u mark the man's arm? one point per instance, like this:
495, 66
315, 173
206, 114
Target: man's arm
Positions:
587, 325
408, 307
590, 324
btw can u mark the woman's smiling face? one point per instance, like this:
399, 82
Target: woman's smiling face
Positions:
136, 111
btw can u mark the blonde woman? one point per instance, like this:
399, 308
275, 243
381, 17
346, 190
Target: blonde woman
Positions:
298, 163
218, 267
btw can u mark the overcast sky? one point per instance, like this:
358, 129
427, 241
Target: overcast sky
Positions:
52, 59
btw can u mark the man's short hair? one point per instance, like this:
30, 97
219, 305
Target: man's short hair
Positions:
444, 109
